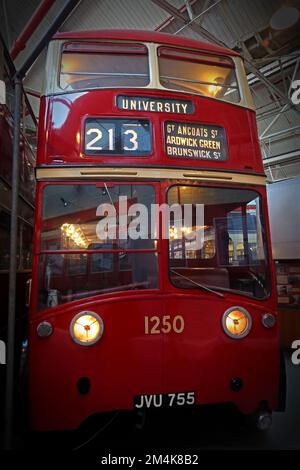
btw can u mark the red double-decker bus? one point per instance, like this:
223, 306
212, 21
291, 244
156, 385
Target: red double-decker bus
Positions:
133, 322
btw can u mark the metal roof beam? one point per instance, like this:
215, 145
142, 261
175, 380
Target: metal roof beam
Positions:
274, 120
291, 157
205, 8
199, 9
200, 17
273, 88
6, 23
189, 9
53, 28
286, 106
21, 41
283, 132
207, 35
191, 24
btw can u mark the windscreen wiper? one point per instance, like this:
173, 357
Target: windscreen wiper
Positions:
202, 286
259, 281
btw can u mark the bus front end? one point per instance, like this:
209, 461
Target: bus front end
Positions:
153, 283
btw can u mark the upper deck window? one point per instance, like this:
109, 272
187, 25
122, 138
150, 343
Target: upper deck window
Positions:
101, 65
209, 75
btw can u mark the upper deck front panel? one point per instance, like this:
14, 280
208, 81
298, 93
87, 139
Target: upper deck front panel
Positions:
184, 130
145, 36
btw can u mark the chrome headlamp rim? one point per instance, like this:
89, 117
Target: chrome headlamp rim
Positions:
75, 318
249, 326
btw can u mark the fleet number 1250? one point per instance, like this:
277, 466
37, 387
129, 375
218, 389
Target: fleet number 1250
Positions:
165, 324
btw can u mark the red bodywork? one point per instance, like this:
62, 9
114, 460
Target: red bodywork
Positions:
63, 116
126, 362
146, 36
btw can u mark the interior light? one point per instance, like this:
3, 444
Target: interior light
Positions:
75, 234
214, 89
284, 18
173, 232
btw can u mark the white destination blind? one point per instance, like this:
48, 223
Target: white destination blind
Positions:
155, 105
117, 137
198, 141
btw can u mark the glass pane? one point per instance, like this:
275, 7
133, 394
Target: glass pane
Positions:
104, 67
108, 47
93, 217
233, 252
67, 277
207, 75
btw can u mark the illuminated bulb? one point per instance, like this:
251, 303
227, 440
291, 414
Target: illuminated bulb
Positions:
237, 322
86, 328
186, 230
214, 89
172, 232
75, 234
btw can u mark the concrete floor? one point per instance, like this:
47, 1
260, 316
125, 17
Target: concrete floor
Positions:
207, 428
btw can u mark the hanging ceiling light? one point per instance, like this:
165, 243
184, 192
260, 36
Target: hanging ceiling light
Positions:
284, 18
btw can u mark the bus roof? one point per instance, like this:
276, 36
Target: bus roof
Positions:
146, 36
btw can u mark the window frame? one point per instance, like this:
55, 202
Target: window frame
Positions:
51, 77
42, 186
231, 65
265, 237
39, 252
65, 45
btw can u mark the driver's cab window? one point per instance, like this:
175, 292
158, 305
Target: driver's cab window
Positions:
232, 253
240, 236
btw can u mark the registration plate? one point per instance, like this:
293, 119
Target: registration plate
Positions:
164, 400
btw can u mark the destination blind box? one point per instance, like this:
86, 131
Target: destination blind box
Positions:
155, 105
195, 141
